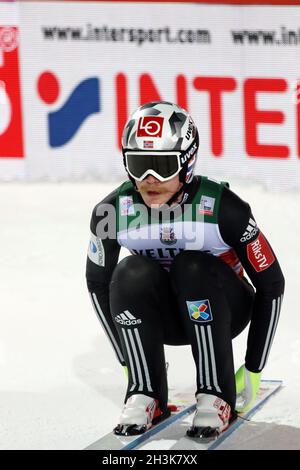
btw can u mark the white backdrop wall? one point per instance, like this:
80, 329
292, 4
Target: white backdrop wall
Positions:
70, 74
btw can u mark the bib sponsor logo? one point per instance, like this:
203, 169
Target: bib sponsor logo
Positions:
167, 236
150, 126
207, 205
260, 254
200, 311
161, 254
126, 205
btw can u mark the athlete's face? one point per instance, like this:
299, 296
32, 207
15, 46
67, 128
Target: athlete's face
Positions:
155, 192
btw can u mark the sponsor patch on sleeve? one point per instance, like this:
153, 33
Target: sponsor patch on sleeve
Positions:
260, 254
96, 251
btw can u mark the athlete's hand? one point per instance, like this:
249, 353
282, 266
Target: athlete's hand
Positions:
247, 385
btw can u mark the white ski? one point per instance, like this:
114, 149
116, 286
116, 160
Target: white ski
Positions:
170, 433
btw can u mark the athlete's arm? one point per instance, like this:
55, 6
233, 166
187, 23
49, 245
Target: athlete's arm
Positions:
239, 230
103, 254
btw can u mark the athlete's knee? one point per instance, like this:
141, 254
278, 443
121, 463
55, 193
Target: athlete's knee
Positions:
134, 289
193, 265
134, 273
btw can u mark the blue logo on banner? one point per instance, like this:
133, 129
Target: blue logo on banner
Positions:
199, 310
82, 102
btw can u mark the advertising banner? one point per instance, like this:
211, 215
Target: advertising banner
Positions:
71, 73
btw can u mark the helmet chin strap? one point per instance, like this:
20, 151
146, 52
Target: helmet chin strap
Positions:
184, 188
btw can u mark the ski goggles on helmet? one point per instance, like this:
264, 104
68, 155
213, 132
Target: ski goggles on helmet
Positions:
162, 166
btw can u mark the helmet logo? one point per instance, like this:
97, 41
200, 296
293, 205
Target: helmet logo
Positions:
188, 154
190, 129
150, 126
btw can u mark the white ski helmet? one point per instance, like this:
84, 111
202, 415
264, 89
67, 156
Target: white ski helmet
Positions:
160, 139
